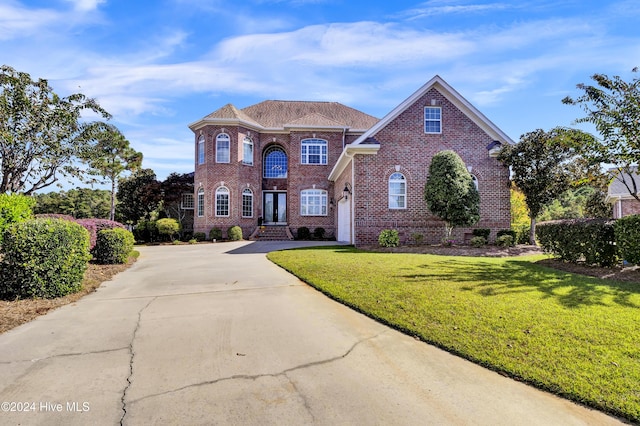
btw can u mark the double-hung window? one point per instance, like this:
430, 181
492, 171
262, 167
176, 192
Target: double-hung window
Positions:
200, 202
222, 201
432, 119
314, 151
313, 202
247, 151
201, 149
187, 201
223, 146
247, 203
397, 191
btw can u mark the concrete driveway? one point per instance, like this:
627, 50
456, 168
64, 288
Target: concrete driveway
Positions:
216, 334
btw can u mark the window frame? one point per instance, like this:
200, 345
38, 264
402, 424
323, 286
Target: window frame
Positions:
247, 142
221, 138
247, 194
201, 202
267, 153
307, 195
222, 191
201, 150
429, 119
187, 201
305, 155
394, 179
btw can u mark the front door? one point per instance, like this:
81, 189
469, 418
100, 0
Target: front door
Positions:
275, 207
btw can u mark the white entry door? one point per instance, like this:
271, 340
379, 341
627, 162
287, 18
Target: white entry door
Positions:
344, 221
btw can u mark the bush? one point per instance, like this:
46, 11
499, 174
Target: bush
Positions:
193, 241
304, 233
96, 225
591, 240
234, 233
43, 258
199, 236
627, 234
504, 240
215, 234
146, 231
319, 233
168, 227
417, 238
478, 241
113, 246
14, 208
389, 238
511, 232
482, 232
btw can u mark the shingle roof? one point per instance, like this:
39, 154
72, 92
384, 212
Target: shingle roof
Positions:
278, 114
617, 188
230, 112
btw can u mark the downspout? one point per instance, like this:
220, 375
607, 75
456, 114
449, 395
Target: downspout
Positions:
352, 212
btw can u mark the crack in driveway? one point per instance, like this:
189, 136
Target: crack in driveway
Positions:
131, 358
254, 377
64, 355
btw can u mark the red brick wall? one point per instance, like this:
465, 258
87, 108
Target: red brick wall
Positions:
406, 148
627, 207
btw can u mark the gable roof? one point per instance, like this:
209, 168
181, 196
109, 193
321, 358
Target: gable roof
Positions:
278, 115
617, 188
452, 96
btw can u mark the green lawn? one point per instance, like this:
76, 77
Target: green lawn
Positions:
572, 335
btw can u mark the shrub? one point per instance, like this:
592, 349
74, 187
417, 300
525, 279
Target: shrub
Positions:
478, 241
417, 238
482, 232
319, 233
304, 233
511, 232
215, 234
44, 258
389, 238
168, 226
96, 225
113, 246
627, 234
591, 240
193, 241
234, 233
14, 208
199, 236
146, 231
504, 240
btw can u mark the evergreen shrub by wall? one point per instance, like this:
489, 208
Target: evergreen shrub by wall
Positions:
627, 232
43, 258
482, 232
215, 234
113, 246
590, 240
234, 233
389, 238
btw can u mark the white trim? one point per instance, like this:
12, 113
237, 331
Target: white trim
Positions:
347, 155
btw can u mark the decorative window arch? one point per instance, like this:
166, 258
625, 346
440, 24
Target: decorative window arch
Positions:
247, 151
247, 203
313, 151
223, 148
222, 201
313, 202
200, 202
201, 149
275, 163
397, 191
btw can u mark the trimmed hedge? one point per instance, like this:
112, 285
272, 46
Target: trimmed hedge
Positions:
44, 258
319, 233
591, 240
234, 233
482, 232
96, 225
627, 232
304, 233
113, 246
14, 208
389, 238
215, 234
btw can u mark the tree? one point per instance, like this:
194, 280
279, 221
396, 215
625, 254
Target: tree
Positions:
173, 189
168, 226
139, 195
110, 157
450, 192
39, 132
81, 203
613, 106
538, 166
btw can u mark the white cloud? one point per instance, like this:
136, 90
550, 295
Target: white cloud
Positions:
17, 21
86, 5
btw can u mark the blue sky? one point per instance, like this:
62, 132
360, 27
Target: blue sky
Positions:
159, 65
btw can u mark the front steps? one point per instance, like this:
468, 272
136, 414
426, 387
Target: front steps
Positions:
271, 233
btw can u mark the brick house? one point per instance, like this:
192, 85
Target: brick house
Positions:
290, 164
623, 203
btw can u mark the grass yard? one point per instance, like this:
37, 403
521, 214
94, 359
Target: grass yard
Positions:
575, 336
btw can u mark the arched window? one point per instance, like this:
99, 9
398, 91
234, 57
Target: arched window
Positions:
313, 202
222, 201
200, 202
247, 151
313, 151
223, 146
201, 149
275, 163
247, 203
397, 191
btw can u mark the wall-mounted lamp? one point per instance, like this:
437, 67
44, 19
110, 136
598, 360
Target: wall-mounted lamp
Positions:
332, 203
346, 191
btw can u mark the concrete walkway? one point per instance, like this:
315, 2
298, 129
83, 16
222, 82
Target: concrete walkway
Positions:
216, 334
